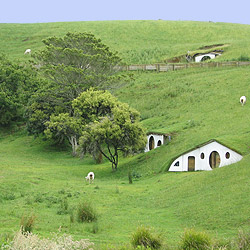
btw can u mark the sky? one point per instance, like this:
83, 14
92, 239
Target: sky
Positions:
41, 11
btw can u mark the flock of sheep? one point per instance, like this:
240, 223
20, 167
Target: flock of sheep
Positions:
91, 176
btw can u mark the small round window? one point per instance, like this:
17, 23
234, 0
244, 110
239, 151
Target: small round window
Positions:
159, 143
202, 156
227, 155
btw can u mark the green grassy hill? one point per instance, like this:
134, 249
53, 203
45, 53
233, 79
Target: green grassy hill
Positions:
194, 105
136, 41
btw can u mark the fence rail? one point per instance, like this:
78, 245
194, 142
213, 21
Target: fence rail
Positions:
159, 67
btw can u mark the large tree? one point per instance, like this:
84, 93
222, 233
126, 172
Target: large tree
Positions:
17, 83
100, 124
71, 64
111, 126
64, 126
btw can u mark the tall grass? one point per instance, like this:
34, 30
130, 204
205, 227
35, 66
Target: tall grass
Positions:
32, 241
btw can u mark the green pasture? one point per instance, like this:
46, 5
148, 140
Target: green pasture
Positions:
136, 41
35, 179
194, 106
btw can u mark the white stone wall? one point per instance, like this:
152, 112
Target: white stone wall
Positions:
156, 139
203, 164
199, 58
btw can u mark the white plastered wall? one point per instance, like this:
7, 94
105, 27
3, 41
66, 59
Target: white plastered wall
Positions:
203, 164
199, 58
157, 138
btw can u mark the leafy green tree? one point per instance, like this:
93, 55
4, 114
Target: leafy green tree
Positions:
71, 64
64, 126
17, 83
8, 109
76, 62
41, 106
111, 126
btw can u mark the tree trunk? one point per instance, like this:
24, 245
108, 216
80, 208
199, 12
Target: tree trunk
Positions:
113, 158
74, 144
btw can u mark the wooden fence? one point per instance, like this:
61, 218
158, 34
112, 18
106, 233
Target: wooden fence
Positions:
159, 67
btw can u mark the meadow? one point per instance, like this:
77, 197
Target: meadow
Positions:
138, 42
193, 105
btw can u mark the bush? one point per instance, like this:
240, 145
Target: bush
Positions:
93, 228
143, 238
243, 240
27, 223
244, 58
130, 178
85, 213
63, 207
193, 240
5, 238
29, 241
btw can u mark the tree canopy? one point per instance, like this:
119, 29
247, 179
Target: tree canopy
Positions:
77, 62
71, 65
17, 83
111, 126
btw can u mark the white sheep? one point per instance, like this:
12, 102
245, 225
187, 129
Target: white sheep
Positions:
27, 51
90, 177
243, 100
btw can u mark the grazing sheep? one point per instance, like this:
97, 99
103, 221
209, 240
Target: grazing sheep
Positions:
90, 177
243, 100
27, 51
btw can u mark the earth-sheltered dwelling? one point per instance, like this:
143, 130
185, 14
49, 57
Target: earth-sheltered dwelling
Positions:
207, 156
200, 57
155, 140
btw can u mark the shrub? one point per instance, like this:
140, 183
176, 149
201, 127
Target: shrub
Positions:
221, 245
93, 228
244, 58
130, 178
38, 198
29, 241
71, 217
63, 208
27, 223
5, 238
193, 240
243, 240
117, 190
86, 213
143, 238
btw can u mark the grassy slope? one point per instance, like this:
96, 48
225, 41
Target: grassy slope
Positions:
136, 41
35, 178
194, 105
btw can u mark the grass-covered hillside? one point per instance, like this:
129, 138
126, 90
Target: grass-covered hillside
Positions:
193, 105
136, 41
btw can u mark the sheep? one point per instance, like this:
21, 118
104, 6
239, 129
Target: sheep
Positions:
243, 100
90, 177
27, 51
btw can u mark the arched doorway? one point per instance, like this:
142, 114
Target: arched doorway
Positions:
214, 160
151, 143
204, 58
